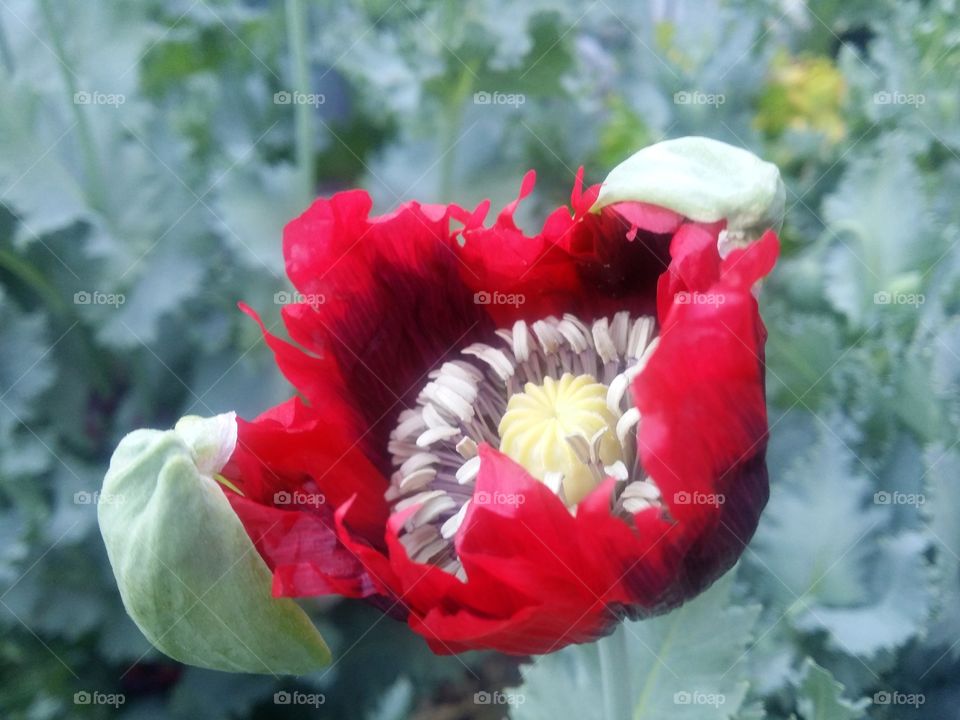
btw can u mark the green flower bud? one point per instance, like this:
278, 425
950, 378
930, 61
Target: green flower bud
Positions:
705, 180
188, 573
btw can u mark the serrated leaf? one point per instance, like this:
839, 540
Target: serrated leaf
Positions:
901, 601
878, 216
820, 697
26, 364
920, 411
254, 207
771, 658
168, 279
27, 167
814, 537
945, 369
801, 351
684, 664
943, 479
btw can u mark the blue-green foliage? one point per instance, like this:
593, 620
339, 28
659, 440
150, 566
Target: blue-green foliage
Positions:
131, 225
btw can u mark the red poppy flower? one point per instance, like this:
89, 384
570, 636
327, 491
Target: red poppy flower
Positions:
510, 441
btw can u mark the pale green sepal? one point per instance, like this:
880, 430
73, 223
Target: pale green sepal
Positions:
188, 573
705, 180
211, 440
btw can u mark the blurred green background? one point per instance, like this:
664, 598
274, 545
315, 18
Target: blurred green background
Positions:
150, 153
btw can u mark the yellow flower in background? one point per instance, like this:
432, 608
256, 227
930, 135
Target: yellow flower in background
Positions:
805, 94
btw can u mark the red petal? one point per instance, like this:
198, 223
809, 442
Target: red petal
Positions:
293, 472
392, 302
649, 218
703, 431
523, 551
317, 378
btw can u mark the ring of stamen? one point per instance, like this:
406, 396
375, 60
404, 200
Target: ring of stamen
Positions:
581, 374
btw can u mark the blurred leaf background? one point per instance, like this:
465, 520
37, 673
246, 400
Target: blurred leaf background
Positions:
150, 153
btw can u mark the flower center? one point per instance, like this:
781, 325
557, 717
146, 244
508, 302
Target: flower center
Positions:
561, 431
554, 395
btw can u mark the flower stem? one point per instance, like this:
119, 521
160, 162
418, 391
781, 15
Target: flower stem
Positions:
302, 118
453, 104
6, 54
34, 279
613, 671
452, 121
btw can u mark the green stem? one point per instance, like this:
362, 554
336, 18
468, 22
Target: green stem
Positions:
452, 121
302, 111
94, 176
615, 679
34, 279
6, 54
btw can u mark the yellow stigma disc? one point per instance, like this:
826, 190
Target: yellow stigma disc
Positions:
538, 421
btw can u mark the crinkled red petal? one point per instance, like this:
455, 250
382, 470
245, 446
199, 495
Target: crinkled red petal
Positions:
293, 471
383, 301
